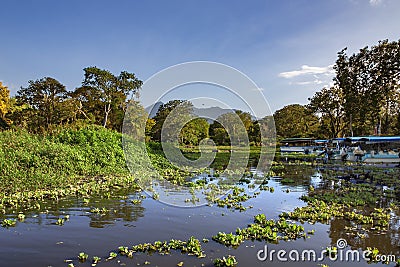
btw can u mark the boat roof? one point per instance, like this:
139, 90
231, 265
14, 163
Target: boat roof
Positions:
321, 141
294, 140
374, 139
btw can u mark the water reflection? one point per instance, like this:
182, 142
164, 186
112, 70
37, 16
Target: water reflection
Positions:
116, 211
99, 233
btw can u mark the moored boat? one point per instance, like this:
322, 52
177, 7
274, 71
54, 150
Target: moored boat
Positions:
302, 145
368, 149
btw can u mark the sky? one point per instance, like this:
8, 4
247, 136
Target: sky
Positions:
286, 47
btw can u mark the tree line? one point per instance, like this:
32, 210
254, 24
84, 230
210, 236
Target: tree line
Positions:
365, 97
364, 100
46, 104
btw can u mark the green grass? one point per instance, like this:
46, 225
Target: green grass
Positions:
32, 162
82, 162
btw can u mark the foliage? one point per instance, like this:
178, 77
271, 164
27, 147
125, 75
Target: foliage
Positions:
262, 229
369, 81
329, 104
194, 131
135, 120
295, 121
218, 134
231, 129
33, 166
44, 98
183, 112
320, 211
4, 101
233, 200
225, 262
111, 91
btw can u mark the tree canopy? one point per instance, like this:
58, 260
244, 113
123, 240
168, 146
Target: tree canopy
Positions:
110, 91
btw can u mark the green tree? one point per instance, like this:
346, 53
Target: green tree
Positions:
4, 100
4, 105
234, 129
44, 97
183, 111
329, 104
267, 130
111, 91
89, 103
245, 117
255, 133
369, 81
295, 121
135, 120
194, 131
218, 133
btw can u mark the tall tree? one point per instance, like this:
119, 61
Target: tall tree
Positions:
90, 104
233, 127
295, 121
369, 81
112, 90
4, 100
218, 133
183, 110
4, 105
135, 120
194, 131
328, 104
44, 97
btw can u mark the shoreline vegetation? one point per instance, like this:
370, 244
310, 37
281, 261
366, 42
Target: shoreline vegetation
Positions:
78, 162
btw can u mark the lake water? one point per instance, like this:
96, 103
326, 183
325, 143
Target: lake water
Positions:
38, 241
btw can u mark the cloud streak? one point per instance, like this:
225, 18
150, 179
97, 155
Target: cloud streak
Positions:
375, 2
307, 70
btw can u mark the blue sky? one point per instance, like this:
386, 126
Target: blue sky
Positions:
286, 47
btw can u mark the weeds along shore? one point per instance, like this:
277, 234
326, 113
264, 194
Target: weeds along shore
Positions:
78, 162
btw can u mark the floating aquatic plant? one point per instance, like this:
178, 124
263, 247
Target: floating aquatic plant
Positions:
8, 223
262, 229
229, 261
82, 256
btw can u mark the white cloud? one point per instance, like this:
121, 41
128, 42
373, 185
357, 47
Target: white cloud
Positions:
316, 81
375, 2
306, 70
257, 89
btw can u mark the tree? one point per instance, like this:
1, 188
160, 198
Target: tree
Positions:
4, 104
230, 129
44, 97
369, 81
329, 104
245, 117
267, 130
194, 131
135, 120
4, 100
295, 121
218, 133
90, 105
183, 111
110, 90
255, 133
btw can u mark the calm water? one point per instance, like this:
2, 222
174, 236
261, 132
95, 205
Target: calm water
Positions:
38, 241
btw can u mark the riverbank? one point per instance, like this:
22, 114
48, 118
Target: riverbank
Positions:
71, 162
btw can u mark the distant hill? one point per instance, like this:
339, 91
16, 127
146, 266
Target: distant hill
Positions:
212, 112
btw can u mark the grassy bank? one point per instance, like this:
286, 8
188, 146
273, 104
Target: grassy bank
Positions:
81, 162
